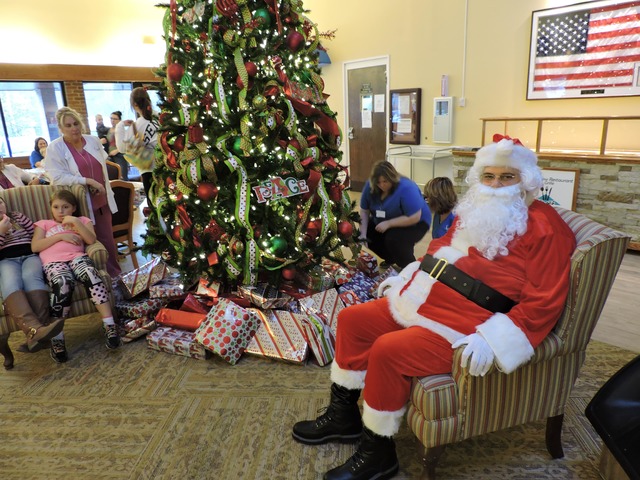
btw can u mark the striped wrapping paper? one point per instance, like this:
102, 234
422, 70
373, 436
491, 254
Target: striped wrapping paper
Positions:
280, 336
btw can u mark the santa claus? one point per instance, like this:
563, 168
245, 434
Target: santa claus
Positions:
496, 284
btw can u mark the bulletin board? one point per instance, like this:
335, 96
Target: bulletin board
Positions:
404, 116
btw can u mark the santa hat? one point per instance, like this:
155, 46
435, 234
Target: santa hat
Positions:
509, 152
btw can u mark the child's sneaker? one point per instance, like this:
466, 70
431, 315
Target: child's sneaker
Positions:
58, 350
113, 339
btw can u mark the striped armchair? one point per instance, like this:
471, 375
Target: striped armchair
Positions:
445, 409
33, 201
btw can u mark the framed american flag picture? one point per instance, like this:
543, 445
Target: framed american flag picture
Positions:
585, 50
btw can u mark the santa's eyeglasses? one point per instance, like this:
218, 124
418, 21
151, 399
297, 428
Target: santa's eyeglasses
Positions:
503, 178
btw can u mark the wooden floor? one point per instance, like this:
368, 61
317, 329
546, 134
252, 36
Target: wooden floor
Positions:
619, 324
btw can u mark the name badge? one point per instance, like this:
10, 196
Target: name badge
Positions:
380, 214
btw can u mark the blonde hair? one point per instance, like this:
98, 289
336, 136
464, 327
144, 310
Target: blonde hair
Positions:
68, 112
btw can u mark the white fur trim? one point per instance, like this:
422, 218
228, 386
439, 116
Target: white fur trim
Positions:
506, 154
351, 379
452, 254
382, 423
509, 344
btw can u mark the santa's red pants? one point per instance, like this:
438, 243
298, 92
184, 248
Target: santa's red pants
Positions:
369, 341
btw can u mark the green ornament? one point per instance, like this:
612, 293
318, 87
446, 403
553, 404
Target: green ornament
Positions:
237, 146
278, 245
259, 102
263, 16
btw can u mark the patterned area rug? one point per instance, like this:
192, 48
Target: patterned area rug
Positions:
140, 414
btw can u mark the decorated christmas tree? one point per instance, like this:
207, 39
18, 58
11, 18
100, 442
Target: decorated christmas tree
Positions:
248, 184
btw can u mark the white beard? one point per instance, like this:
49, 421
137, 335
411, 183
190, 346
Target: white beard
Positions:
491, 217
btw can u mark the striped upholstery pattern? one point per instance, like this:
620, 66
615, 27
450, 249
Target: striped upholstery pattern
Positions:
449, 408
33, 201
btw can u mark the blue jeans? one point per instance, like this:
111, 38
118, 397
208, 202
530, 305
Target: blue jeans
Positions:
21, 273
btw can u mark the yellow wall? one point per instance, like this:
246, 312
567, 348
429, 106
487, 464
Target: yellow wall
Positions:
424, 39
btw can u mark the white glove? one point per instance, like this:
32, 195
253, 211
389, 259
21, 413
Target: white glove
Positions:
402, 277
477, 354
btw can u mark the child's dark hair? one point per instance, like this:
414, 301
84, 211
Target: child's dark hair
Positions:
67, 196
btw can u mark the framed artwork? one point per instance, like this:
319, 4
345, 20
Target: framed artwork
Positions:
560, 187
585, 50
404, 116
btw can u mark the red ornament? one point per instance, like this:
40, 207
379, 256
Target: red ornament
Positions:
175, 233
345, 229
178, 143
175, 72
295, 40
196, 134
252, 69
289, 273
213, 230
240, 84
164, 118
207, 191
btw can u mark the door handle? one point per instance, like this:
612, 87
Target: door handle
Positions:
350, 133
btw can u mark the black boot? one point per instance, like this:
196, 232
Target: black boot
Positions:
5, 350
375, 459
340, 422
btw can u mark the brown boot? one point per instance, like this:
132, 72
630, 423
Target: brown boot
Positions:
17, 306
39, 301
5, 350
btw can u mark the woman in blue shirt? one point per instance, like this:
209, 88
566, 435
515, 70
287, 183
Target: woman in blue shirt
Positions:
394, 215
37, 156
441, 197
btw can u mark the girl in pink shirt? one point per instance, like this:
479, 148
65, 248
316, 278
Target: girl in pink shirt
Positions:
61, 244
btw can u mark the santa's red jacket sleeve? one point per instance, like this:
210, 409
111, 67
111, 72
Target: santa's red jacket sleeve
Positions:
535, 274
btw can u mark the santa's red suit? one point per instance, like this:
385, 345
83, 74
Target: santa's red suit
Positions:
382, 344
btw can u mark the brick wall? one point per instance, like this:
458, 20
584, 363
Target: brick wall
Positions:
608, 193
75, 99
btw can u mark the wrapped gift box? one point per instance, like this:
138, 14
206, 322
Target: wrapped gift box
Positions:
167, 288
196, 303
390, 272
349, 298
228, 329
361, 285
319, 336
178, 342
281, 336
326, 304
140, 279
180, 319
138, 327
139, 307
316, 279
264, 296
210, 289
341, 273
367, 263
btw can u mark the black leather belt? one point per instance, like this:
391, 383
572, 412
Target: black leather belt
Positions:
471, 288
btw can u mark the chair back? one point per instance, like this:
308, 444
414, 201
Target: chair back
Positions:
594, 265
122, 220
114, 171
34, 200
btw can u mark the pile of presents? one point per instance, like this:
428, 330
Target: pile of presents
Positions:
292, 323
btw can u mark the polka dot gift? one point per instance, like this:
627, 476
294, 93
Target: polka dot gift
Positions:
227, 330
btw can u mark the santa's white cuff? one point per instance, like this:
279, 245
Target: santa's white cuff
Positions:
380, 422
509, 344
350, 379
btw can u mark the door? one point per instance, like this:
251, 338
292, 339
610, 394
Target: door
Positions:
367, 118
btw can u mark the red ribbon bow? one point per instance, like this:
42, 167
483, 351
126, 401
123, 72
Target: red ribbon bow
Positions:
497, 137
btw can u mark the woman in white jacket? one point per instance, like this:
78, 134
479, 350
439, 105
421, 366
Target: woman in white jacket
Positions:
13, 176
75, 158
146, 125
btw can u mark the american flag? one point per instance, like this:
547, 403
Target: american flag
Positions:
588, 50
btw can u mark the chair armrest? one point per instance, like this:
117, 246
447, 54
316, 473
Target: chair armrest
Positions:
98, 254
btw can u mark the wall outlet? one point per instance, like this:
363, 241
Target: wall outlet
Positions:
462, 102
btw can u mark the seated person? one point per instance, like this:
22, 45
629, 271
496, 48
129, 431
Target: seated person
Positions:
13, 176
394, 215
39, 152
441, 197
517, 246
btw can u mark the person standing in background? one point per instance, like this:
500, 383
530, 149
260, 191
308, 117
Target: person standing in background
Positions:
102, 132
441, 197
114, 154
146, 125
74, 158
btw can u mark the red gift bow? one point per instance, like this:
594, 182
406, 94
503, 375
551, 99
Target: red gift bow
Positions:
497, 137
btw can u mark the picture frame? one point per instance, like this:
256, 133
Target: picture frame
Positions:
560, 187
404, 116
583, 51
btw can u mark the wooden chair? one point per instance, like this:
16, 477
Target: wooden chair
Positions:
444, 409
33, 201
113, 170
122, 220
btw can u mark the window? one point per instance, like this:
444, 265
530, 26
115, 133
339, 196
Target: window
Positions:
27, 111
104, 98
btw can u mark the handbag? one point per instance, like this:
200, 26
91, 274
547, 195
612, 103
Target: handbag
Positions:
136, 151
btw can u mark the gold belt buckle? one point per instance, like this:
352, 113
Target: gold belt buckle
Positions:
438, 268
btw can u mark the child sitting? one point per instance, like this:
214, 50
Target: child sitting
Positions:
61, 244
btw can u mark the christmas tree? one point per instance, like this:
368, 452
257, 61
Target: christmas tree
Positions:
248, 184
